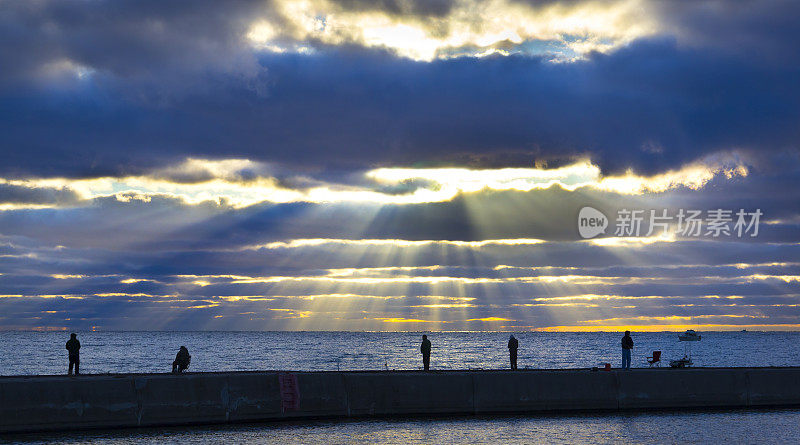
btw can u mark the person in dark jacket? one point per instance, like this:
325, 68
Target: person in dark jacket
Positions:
425, 349
627, 345
513, 344
74, 347
182, 360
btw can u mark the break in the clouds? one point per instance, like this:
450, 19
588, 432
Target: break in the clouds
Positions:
399, 164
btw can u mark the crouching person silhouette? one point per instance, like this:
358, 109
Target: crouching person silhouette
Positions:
182, 360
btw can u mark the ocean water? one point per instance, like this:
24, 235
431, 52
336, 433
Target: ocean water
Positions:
654, 427
23, 352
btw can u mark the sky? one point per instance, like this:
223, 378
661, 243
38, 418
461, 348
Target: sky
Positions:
400, 165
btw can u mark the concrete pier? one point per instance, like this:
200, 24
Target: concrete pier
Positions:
47, 403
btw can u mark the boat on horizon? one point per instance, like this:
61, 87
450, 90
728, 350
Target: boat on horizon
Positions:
689, 335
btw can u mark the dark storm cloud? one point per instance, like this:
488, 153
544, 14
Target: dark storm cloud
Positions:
765, 29
171, 83
422, 8
362, 109
16, 194
127, 39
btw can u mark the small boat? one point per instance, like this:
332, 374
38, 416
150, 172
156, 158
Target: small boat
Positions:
689, 335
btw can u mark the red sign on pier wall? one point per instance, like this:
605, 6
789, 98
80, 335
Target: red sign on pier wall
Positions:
290, 392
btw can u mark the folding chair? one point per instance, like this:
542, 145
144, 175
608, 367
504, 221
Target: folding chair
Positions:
655, 359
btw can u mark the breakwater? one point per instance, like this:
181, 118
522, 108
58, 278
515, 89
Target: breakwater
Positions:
46, 403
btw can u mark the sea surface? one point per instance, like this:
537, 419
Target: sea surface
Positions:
25, 352
652, 427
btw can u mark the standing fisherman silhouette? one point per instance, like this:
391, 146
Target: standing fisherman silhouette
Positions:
425, 349
74, 347
627, 345
513, 344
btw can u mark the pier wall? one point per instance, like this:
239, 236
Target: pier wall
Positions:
42, 403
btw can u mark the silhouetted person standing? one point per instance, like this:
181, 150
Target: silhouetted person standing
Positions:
425, 349
627, 345
74, 347
513, 344
182, 360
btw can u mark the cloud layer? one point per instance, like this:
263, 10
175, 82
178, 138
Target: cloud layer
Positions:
400, 164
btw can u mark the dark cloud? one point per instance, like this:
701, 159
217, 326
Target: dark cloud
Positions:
366, 110
764, 29
159, 96
421, 8
126, 39
17, 194
92, 89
